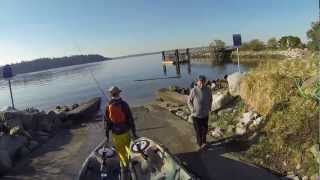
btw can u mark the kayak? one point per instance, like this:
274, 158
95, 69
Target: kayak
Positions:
151, 161
102, 164
148, 161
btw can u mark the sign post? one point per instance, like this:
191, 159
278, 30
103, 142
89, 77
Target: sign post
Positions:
7, 74
237, 43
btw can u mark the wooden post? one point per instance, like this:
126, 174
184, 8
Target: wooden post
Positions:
177, 62
163, 56
188, 60
177, 56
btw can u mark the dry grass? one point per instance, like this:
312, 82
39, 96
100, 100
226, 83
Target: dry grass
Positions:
276, 90
272, 83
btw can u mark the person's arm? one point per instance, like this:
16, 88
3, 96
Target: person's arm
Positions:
190, 100
131, 120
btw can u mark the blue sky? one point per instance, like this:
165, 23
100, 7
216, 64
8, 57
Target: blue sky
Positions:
49, 28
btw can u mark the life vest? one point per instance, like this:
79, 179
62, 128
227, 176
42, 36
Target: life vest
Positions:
116, 113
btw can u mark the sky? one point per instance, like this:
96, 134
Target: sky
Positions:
32, 29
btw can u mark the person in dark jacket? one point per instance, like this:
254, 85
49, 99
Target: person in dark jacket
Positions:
120, 121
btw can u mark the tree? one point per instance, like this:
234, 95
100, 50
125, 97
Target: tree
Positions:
272, 43
314, 36
218, 44
256, 45
290, 42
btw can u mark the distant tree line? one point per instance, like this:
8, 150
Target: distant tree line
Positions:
283, 43
50, 63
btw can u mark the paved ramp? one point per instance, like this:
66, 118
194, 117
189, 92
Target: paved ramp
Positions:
62, 157
178, 136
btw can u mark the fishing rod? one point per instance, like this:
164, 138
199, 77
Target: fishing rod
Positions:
97, 85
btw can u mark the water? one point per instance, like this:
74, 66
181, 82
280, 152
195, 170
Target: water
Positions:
74, 84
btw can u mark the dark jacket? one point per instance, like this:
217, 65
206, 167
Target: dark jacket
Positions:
124, 127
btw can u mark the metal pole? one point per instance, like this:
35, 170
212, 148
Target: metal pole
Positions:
238, 59
11, 94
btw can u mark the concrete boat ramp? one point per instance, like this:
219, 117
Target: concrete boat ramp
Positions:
62, 156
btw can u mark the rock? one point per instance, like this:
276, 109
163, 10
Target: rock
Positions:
220, 100
247, 118
258, 121
182, 115
13, 122
45, 124
42, 133
223, 111
43, 138
216, 133
32, 110
74, 106
173, 110
56, 119
190, 120
234, 83
240, 129
23, 152
186, 110
15, 131
85, 109
67, 124
21, 119
30, 121
214, 124
315, 151
5, 161
12, 144
8, 109
32, 145
230, 129
305, 178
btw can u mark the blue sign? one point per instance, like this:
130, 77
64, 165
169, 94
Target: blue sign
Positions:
7, 71
237, 40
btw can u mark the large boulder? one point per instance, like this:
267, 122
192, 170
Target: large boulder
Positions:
5, 161
220, 99
12, 144
29, 121
19, 118
234, 83
85, 109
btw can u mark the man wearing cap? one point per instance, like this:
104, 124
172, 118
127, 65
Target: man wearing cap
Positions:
120, 121
199, 102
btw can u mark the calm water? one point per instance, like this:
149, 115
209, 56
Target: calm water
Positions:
68, 85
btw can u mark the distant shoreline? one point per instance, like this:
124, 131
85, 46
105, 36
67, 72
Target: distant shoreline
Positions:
52, 63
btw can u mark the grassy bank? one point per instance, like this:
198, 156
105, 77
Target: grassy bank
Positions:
285, 92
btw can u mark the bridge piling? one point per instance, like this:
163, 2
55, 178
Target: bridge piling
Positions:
177, 62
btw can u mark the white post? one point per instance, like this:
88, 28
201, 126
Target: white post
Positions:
238, 59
